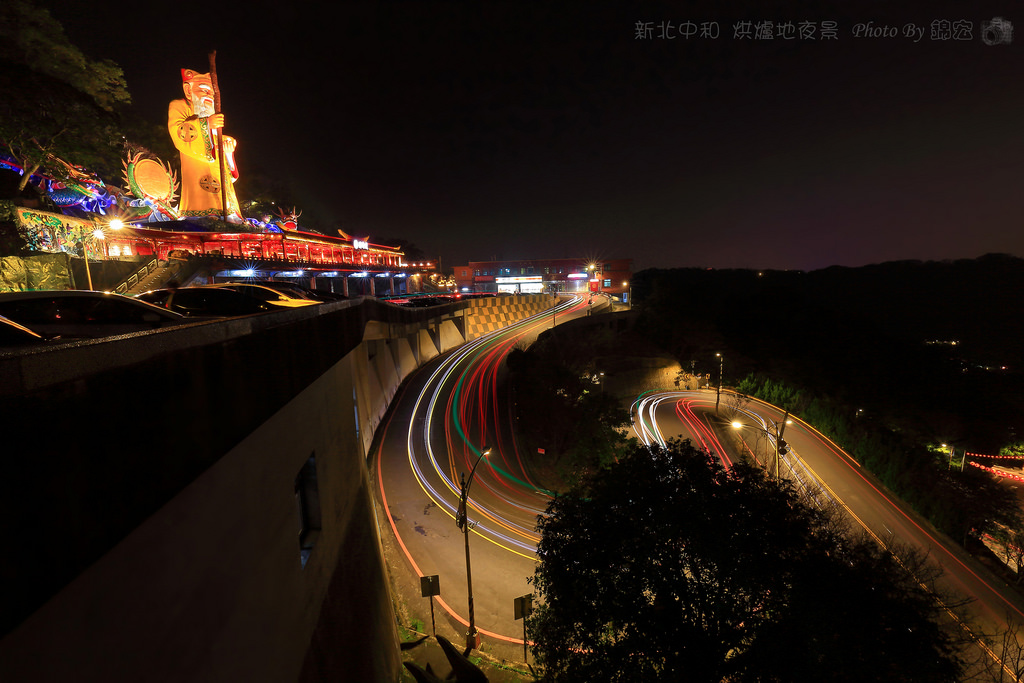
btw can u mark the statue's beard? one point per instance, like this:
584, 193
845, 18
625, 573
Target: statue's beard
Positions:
202, 106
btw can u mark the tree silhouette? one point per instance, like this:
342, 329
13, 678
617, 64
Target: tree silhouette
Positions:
666, 566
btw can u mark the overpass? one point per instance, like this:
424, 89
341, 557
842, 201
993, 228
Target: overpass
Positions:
194, 504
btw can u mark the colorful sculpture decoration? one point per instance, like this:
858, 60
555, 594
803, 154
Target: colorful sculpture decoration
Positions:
153, 186
77, 188
288, 220
194, 126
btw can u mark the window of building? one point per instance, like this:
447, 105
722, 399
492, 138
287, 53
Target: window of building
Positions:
307, 504
547, 270
476, 272
607, 283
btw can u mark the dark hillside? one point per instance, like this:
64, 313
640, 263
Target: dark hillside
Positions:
879, 336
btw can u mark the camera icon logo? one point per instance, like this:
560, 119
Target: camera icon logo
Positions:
997, 32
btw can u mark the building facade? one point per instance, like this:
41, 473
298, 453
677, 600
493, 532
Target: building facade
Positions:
534, 276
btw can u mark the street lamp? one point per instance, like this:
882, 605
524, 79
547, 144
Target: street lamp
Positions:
780, 445
97, 234
462, 521
718, 394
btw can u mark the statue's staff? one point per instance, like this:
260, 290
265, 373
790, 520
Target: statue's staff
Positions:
220, 135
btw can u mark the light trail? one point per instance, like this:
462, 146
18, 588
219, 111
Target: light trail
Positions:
461, 393
991, 605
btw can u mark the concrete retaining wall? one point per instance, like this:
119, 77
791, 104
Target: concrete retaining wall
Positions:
492, 314
154, 490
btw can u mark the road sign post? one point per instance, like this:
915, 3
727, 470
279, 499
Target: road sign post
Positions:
429, 587
523, 606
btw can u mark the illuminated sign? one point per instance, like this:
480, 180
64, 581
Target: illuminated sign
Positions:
578, 276
360, 244
510, 280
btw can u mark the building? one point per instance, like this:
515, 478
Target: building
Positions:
608, 276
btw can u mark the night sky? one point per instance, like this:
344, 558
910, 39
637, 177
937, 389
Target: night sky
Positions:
544, 130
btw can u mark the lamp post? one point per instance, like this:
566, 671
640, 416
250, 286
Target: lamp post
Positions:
780, 445
718, 394
462, 521
99, 235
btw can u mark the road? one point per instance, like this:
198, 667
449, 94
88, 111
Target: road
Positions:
446, 414
815, 461
451, 409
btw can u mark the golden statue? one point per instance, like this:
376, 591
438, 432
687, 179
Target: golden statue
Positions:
194, 127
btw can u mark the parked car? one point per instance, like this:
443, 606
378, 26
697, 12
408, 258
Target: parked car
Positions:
84, 314
206, 301
267, 294
16, 336
292, 288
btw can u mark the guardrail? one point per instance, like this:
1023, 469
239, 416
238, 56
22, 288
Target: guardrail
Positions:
137, 277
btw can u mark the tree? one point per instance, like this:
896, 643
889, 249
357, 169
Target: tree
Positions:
666, 566
57, 103
29, 35
568, 413
42, 120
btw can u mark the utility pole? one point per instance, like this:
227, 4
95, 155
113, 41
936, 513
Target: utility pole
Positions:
718, 394
780, 445
462, 521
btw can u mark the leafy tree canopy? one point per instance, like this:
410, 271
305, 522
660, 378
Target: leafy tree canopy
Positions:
57, 102
568, 413
42, 118
666, 566
29, 35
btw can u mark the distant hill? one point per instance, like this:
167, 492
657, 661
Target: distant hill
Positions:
881, 334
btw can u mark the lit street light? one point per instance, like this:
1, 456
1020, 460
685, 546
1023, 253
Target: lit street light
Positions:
99, 236
462, 521
780, 446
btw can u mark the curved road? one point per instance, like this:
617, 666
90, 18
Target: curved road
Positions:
450, 409
447, 412
815, 462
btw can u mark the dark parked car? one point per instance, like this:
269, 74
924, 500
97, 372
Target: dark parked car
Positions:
257, 290
15, 336
305, 292
84, 314
206, 301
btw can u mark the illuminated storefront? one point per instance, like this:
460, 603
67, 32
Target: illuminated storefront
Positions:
529, 284
546, 275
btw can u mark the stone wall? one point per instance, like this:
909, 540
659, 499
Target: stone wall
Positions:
150, 491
